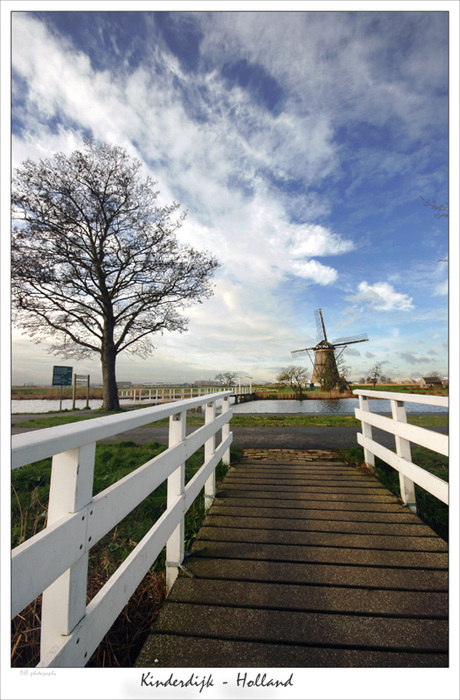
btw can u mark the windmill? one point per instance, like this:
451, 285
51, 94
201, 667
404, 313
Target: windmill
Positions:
324, 359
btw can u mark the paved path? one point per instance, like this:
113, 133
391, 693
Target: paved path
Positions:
296, 437
303, 561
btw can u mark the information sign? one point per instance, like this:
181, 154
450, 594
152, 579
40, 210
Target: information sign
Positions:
62, 376
82, 379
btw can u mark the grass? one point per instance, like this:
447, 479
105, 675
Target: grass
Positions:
262, 420
405, 389
53, 392
297, 420
49, 420
29, 498
429, 509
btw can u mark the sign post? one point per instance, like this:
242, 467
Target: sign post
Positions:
62, 376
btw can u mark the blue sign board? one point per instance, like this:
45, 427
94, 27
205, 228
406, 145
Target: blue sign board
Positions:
62, 376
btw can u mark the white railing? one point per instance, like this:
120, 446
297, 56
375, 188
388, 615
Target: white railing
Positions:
404, 433
55, 561
158, 395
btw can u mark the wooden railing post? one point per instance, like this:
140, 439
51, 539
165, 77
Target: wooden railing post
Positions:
71, 488
226, 428
367, 430
209, 449
176, 484
407, 487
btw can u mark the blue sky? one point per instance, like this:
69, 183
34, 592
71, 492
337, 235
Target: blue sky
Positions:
299, 142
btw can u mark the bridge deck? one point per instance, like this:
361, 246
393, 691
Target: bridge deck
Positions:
303, 561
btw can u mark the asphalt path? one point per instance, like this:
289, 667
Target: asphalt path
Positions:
294, 437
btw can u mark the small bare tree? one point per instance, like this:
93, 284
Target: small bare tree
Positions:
96, 264
375, 374
294, 376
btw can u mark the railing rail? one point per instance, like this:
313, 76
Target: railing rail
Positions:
165, 394
55, 561
404, 434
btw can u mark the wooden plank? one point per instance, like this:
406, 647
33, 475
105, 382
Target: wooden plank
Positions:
417, 529
169, 651
316, 555
288, 627
311, 598
431, 543
294, 503
319, 574
284, 488
317, 514
303, 495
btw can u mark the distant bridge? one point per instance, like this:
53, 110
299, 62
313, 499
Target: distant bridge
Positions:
161, 395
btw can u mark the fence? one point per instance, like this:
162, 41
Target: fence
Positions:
55, 561
158, 395
409, 473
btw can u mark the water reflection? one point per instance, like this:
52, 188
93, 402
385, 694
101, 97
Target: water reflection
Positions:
46, 405
342, 407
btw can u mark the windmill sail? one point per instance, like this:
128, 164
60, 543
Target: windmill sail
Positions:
350, 339
320, 327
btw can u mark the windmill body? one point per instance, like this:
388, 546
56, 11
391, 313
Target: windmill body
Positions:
324, 354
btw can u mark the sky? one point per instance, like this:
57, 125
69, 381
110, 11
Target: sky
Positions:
300, 143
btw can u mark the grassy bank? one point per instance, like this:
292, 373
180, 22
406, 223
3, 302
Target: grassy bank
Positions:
405, 389
263, 392
241, 420
296, 420
44, 420
53, 392
29, 498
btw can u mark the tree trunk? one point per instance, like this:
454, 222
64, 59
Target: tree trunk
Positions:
110, 390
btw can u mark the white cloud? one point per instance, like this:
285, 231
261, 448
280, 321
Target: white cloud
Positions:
314, 271
382, 297
314, 240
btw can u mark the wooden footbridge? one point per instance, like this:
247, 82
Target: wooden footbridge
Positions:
304, 561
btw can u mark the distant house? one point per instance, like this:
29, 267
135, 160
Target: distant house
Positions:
428, 382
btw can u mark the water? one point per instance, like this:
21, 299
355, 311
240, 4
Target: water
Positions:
45, 405
341, 407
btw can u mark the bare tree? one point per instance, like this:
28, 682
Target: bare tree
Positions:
375, 374
344, 370
225, 378
96, 264
294, 376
